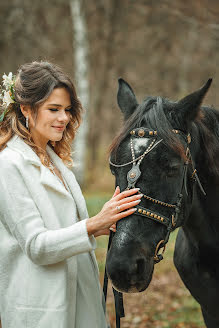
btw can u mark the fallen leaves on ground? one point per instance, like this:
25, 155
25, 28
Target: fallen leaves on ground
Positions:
165, 304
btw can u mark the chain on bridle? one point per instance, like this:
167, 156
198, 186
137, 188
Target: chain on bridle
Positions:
169, 222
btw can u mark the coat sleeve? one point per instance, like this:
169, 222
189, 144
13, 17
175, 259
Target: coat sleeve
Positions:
21, 217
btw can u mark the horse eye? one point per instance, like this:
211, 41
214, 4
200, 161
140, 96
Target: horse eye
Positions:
173, 171
112, 170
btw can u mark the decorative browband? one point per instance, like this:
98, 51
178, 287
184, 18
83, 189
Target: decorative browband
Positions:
145, 132
152, 215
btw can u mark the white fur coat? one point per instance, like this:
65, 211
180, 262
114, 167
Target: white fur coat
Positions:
41, 234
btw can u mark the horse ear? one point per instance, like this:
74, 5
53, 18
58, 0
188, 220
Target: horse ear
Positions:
126, 98
189, 106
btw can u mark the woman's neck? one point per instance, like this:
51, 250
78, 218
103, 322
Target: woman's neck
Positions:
39, 140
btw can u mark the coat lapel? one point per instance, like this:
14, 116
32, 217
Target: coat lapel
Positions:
47, 178
72, 183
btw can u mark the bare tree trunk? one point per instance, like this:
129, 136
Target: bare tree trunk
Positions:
80, 46
111, 13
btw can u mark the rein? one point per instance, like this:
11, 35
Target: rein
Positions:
170, 222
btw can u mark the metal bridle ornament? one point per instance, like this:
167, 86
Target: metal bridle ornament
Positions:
171, 223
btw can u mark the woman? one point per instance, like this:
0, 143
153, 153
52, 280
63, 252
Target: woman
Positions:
48, 270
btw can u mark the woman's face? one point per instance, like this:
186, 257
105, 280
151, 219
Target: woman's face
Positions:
52, 118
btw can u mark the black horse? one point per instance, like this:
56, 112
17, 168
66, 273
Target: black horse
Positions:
170, 150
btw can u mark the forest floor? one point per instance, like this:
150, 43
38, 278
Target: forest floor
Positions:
165, 304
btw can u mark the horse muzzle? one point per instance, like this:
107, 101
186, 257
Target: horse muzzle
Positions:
130, 270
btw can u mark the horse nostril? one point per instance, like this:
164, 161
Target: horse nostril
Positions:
139, 266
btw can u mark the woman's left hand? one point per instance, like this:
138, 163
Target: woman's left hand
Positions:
106, 232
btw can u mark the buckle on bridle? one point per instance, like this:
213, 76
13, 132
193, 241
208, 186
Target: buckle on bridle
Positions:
173, 221
159, 257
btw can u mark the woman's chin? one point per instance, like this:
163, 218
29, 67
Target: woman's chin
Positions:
58, 137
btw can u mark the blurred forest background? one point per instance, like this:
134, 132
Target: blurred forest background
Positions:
159, 47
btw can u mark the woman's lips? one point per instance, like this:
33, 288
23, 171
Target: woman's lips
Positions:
59, 128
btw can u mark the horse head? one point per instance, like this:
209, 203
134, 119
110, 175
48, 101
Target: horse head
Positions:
153, 152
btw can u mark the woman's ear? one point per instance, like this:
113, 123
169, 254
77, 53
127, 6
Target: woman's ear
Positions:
25, 110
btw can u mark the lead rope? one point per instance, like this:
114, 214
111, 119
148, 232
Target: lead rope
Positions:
118, 297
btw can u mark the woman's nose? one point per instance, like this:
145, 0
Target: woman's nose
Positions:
63, 117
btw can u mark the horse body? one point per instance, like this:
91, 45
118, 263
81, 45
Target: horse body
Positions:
163, 178
196, 255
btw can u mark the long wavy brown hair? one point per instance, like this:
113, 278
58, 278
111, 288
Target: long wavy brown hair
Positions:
33, 85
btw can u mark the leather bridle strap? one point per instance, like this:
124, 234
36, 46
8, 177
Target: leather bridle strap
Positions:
118, 297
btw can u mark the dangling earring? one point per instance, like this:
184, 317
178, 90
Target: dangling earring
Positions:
27, 124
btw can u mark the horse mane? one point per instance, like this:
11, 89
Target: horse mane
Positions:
152, 113
208, 127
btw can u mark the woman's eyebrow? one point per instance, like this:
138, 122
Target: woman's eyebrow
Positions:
57, 105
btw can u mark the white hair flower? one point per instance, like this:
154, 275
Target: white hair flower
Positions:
8, 80
7, 93
7, 98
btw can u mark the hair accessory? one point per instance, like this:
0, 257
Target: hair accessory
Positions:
7, 93
27, 123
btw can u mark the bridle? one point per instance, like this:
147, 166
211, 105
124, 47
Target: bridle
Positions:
133, 176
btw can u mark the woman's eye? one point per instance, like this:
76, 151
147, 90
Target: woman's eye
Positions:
56, 110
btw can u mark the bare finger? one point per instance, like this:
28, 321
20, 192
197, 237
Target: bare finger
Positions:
130, 199
124, 214
128, 205
113, 227
126, 193
117, 191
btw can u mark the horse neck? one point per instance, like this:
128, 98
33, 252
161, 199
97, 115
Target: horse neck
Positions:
202, 226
